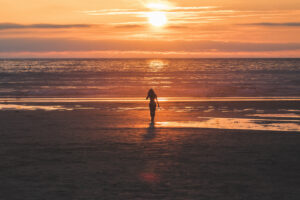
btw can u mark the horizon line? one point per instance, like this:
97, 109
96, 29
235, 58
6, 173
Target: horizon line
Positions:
149, 58
142, 99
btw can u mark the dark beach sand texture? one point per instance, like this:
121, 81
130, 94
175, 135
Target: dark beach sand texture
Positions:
102, 150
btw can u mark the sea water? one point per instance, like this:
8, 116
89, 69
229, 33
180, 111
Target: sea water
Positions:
106, 78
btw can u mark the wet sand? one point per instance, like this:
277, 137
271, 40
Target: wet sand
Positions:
103, 150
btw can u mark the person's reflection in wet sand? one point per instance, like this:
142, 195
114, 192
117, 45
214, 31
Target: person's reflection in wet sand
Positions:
150, 134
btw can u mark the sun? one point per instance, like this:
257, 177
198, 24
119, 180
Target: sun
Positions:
157, 18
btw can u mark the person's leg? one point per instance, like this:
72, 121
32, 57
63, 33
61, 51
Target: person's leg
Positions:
152, 107
152, 115
152, 112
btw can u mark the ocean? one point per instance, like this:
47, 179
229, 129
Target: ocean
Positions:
109, 78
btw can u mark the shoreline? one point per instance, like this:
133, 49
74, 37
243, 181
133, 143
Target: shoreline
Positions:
276, 116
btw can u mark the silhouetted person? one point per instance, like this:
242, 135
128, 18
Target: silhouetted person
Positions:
152, 104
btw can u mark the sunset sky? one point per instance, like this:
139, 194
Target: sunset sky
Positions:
149, 28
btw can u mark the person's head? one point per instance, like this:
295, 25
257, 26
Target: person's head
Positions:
151, 92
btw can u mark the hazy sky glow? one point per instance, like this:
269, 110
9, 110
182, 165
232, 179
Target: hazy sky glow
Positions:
121, 28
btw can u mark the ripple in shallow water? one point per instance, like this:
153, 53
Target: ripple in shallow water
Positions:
236, 123
31, 107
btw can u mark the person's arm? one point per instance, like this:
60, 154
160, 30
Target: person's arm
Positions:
157, 101
147, 97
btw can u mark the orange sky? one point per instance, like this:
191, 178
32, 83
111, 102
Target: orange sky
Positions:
121, 28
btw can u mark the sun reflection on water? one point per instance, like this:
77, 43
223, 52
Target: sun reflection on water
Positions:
235, 124
156, 65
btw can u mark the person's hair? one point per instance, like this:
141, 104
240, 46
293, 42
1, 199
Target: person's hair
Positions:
151, 93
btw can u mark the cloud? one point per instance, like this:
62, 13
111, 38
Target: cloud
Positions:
60, 44
149, 54
267, 24
193, 8
177, 27
139, 11
178, 15
5, 26
170, 10
118, 12
206, 14
129, 26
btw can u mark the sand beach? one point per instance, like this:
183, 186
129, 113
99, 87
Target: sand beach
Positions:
110, 150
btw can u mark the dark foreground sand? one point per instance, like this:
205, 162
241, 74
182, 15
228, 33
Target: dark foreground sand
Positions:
87, 154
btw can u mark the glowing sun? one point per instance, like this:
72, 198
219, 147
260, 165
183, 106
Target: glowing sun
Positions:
157, 18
